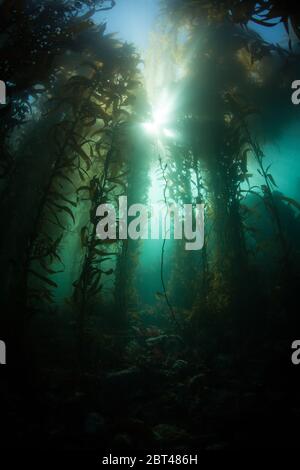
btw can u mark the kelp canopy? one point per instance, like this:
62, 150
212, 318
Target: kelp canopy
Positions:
139, 343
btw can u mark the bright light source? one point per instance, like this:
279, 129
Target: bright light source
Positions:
169, 133
151, 128
160, 116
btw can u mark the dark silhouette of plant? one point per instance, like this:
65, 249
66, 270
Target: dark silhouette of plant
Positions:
267, 13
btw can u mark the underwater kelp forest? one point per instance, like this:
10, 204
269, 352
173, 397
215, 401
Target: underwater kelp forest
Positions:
150, 225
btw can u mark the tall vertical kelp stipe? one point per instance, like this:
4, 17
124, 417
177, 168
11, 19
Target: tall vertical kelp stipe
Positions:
140, 343
35, 36
221, 101
81, 101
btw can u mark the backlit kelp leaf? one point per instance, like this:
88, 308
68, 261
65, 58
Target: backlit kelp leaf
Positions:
111, 189
270, 177
119, 182
244, 159
70, 163
63, 208
290, 201
103, 115
81, 175
79, 150
109, 241
47, 269
92, 153
41, 294
265, 189
57, 195
54, 214
43, 278
97, 252
56, 243
268, 167
95, 283
53, 222
99, 132
84, 236
61, 175
55, 255
83, 188
98, 243
264, 23
93, 292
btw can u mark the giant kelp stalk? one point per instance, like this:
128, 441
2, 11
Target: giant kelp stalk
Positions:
82, 103
190, 273
107, 184
267, 188
207, 137
128, 303
34, 38
88, 285
163, 168
93, 152
215, 68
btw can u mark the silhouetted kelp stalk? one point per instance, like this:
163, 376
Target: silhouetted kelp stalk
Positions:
190, 274
163, 168
69, 154
127, 301
104, 186
103, 172
35, 36
74, 137
101, 190
223, 168
89, 284
217, 137
267, 189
